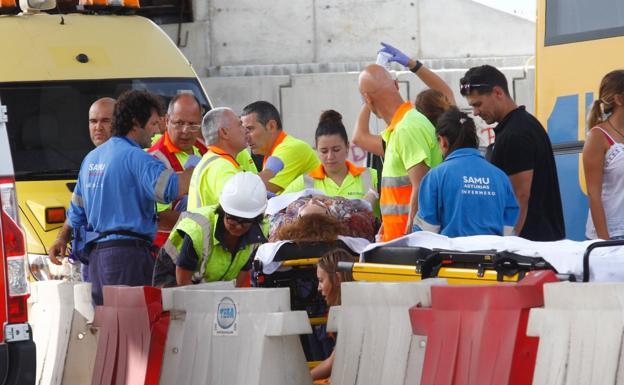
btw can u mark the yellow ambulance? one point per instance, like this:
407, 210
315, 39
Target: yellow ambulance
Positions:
53, 67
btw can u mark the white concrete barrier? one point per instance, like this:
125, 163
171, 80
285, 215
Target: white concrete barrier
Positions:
580, 330
375, 344
236, 337
60, 315
83, 339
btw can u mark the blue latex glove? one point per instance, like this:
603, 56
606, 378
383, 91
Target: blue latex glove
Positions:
192, 161
274, 164
397, 56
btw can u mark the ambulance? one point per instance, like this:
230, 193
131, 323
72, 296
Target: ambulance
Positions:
53, 67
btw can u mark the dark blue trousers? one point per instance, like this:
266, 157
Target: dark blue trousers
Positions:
123, 262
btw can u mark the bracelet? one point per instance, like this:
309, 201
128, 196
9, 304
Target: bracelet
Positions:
417, 66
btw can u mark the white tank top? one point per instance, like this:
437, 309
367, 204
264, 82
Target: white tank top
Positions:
612, 191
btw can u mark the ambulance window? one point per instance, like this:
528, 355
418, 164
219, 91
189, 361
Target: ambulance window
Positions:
48, 121
569, 21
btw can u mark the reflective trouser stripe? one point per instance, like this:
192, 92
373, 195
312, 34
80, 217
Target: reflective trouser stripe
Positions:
161, 185
395, 209
199, 173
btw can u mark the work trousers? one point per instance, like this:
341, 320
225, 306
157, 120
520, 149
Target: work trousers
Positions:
119, 262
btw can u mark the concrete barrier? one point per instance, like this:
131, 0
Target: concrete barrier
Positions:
234, 337
60, 315
580, 332
375, 344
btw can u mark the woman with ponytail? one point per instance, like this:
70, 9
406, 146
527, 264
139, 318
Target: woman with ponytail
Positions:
465, 194
603, 160
336, 176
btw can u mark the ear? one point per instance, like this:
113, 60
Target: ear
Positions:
498, 92
223, 133
271, 125
367, 99
618, 100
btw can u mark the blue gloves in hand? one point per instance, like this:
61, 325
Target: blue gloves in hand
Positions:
192, 161
397, 56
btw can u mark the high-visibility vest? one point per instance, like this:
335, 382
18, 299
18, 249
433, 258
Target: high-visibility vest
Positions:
215, 263
161, 151
396, 188
209, 176
362, 182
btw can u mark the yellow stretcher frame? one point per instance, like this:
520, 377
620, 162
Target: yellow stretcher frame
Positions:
380, 272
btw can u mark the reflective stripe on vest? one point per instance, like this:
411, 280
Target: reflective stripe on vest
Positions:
215, 263
163, 158
394, 205
199, 172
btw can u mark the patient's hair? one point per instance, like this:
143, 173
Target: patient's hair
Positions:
311, 228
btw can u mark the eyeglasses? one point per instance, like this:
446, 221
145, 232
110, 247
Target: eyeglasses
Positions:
181, 125
239, 220
466, 88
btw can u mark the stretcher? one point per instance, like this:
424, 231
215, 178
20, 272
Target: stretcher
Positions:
407, 263
298, 272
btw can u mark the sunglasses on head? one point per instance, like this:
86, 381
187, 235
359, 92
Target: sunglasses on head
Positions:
239, 220
466, 88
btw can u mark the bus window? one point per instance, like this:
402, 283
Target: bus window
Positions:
569, 21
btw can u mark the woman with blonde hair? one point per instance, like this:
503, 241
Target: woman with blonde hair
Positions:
603, 160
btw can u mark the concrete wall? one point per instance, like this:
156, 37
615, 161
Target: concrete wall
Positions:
248, 33
302, 97
304, 56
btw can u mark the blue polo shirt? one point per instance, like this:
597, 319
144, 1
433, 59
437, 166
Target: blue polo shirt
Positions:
466, 195
118, 187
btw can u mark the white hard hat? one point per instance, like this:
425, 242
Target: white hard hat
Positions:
244, 195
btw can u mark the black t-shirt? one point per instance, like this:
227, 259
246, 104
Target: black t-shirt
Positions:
522, 145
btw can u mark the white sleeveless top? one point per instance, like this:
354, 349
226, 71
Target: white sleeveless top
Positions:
612, 191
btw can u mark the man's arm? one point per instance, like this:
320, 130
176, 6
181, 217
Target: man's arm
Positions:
183, 276
433, 81
266, 175
521, 184
167, 219
59, 246
362, 136
415, 175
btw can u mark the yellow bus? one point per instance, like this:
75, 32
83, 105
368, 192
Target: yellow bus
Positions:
578, 42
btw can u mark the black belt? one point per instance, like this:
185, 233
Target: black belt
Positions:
122, 243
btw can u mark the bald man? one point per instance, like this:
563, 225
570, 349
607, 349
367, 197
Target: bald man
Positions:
100, 120
411, 148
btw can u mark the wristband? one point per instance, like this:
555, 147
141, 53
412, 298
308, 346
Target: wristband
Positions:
417, 66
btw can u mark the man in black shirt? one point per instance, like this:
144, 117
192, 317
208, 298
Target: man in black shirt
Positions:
522, 149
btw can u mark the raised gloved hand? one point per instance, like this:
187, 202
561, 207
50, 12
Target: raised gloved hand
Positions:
396, 55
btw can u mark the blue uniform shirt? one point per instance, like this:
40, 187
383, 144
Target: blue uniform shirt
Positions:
466, 195
118, 186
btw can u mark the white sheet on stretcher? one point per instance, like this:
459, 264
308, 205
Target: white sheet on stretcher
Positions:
266, 252
606, 264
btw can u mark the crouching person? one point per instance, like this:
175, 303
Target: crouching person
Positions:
216, 243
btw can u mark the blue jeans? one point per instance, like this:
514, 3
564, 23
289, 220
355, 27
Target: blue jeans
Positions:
119, 265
